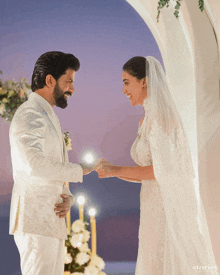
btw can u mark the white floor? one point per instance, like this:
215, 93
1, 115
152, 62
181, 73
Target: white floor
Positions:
120, 268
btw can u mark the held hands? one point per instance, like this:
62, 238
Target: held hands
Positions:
102, 167
64, 207
105, 169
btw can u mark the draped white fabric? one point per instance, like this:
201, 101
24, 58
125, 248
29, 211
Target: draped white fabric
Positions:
187, 248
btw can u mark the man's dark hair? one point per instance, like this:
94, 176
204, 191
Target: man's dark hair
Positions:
137, 66
54, 63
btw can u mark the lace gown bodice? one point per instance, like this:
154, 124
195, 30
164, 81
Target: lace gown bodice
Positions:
152, 216
140, 150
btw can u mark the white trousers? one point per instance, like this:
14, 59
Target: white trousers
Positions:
40, 255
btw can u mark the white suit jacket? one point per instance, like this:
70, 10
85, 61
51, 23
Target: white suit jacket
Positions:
40, 167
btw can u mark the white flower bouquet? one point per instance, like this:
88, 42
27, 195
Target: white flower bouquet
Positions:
78, 256
68, 141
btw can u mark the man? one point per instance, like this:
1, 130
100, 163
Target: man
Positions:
40, 200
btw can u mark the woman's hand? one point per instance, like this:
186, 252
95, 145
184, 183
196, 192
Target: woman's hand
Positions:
105, 169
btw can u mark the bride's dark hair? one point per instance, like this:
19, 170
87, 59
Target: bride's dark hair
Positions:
137, 66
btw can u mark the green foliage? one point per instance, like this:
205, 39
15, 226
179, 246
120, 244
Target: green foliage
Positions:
201, 5
163, 3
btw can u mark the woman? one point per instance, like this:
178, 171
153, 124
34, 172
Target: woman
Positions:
173, 233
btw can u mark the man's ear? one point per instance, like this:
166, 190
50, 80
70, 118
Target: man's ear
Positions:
144, 81
50, 81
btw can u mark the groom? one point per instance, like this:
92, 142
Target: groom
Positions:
40, 200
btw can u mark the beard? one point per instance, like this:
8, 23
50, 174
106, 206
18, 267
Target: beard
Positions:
60, 100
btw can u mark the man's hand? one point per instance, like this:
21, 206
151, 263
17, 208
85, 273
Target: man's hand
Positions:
64, 207
105, 169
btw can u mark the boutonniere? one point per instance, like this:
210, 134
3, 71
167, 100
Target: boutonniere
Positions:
67, 140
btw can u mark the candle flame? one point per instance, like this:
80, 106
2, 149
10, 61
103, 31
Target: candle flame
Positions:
89, 158
81, 200
92, 212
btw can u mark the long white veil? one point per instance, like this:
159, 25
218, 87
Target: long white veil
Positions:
188, 248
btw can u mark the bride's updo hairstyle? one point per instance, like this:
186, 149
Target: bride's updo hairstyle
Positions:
137, 66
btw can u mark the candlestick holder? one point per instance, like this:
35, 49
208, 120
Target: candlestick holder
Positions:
92, 213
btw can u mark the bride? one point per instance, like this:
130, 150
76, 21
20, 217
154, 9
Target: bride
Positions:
173, 234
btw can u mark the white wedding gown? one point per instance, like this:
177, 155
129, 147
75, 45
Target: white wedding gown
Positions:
152, 216
160, 251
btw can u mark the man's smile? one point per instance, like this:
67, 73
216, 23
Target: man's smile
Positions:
67, 95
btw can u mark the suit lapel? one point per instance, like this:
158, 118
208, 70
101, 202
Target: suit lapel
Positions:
56, 125
43, 104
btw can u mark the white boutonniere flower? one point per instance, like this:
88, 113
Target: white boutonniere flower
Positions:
67, 140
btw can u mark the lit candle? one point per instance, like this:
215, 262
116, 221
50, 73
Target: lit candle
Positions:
92, 213
68, 219
81, 201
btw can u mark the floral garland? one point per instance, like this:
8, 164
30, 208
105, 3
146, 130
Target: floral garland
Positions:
12, 95
163, 3
78, 256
